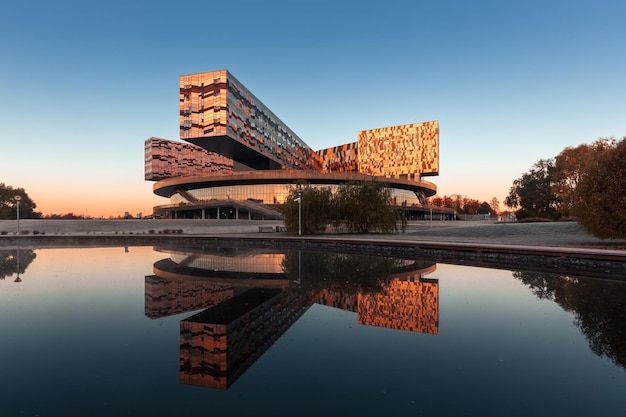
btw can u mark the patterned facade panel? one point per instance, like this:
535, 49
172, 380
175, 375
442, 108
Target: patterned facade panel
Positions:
164, 297
337, 299
203, 106
407, 150
341, 158
411, 305
215, 349
168, 159
215, 104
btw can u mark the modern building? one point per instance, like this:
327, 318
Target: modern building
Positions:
240, 161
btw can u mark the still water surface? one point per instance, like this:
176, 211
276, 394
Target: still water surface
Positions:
243, 332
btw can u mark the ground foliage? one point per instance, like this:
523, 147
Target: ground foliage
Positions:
364, 207
600, 196
532, 192
465, 205
360, 207
15, 261
348, 273
587, 181
308, 208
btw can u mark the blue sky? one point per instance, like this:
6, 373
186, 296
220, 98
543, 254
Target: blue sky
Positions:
84, 83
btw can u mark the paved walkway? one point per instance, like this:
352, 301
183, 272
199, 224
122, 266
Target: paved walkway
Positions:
483, 232
555, 245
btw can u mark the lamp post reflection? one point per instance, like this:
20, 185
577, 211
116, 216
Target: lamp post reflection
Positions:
17, 199
18, 279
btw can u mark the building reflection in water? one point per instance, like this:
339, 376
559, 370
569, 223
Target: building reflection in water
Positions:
250, 297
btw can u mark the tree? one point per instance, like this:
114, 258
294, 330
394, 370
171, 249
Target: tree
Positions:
9, 264
436, 201
444, 201
532, 192
349, 273
470, 206
8, 205
316, 205
364, 207
495, 205
600, 196
602, 323
485, 208
569, 166
458, 201
359, 207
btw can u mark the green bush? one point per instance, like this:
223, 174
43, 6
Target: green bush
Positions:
359, 207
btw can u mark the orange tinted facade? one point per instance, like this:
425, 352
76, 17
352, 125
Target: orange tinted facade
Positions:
164, 297
203, 104
219, 114
168, 159
408, 150
341, 158
219, 344
411, 305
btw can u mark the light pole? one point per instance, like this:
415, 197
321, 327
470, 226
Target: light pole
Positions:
17, 199
299, 200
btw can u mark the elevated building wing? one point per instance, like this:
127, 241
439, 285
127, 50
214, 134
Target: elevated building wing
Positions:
168, 159
220, 115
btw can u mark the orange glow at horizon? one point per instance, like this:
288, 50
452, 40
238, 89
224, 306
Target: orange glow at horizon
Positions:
90, 203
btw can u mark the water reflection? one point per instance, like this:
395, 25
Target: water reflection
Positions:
99, 331
598, 308
15, 261
251, 297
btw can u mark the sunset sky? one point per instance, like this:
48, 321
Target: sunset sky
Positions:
83, 84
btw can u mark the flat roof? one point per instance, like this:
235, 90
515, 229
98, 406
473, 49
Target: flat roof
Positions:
169, 187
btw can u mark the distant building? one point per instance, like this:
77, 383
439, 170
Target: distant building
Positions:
240, 160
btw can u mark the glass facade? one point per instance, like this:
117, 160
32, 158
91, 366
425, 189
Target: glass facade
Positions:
216, 105
250, 261
274, 194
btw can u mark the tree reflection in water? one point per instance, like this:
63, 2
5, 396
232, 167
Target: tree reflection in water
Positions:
15, 261
599, 308
350, 273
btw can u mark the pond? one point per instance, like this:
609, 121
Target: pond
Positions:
126, 331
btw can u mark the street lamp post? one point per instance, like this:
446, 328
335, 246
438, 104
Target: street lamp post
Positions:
17, 199
299, 200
